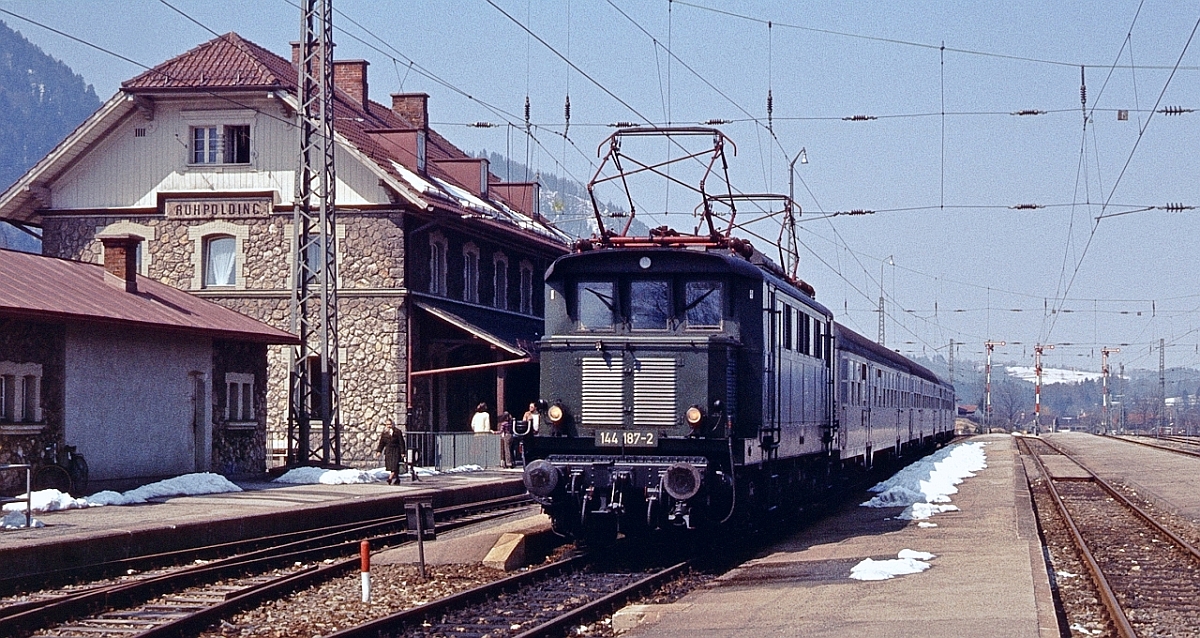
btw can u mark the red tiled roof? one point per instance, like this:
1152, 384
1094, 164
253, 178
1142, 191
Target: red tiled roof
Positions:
228, 61
39, 288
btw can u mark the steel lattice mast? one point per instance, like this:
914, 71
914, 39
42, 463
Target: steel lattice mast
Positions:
314, 367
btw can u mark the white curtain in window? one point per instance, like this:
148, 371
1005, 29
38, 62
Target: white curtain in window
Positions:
219, 267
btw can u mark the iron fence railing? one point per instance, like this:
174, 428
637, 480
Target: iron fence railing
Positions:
448, 450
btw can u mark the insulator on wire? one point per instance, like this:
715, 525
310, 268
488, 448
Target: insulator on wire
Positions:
567, 116
526, 112
1028, 112
1082, 89
1177, 207
483, 125
623, 124
1175, 110
859, 118
716, 122
1026, 206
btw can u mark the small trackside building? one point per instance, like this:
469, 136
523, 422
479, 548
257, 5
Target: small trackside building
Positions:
143, 379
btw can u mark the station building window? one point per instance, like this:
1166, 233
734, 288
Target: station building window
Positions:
500, 281
219, 255
20, 392
471, 273
228, 144
526, 288
437, 264
239, 397
220, 261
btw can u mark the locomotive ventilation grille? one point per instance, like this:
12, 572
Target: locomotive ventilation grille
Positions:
604, 393
654, 393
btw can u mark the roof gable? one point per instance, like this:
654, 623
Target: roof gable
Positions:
228, 61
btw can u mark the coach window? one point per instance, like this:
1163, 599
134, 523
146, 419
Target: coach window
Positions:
595, 305
649, 304
789, 329
703, 304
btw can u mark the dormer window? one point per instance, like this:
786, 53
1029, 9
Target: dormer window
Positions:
229, 144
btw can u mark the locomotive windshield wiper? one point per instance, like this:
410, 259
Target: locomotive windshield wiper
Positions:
607, 301
699, 299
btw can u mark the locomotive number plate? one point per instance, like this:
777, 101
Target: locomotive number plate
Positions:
626, 438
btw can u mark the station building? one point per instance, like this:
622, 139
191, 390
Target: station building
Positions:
143, 379
439, 262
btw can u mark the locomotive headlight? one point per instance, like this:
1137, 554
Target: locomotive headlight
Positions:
693, 416
541, 478
555, 413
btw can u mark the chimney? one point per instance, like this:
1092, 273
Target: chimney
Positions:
469, 172
120, 261
296, 51
413, 107
351, 77
523, 196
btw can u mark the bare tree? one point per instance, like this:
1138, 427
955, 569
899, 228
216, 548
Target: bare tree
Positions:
1009, 399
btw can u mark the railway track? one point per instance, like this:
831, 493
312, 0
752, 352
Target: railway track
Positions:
1146, 576
544, 601
182, 601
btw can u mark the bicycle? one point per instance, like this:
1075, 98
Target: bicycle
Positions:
64, 470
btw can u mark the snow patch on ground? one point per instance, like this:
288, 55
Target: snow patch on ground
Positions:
907, 561
924, 487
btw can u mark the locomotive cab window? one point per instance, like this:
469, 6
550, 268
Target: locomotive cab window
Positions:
649, 304
596, 304
703, 305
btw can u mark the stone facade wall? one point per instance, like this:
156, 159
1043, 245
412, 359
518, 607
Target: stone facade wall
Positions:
371, 315
239, 451
44, 344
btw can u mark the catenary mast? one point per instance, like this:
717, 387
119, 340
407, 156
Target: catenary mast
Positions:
314, 368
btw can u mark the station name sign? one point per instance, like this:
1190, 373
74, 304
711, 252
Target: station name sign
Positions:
212, 207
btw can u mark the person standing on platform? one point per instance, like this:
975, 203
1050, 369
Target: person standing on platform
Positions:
481, 423
506, 439
391, 444
534, 418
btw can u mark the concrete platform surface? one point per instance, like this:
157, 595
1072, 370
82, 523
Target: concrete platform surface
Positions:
988, 577
1170, 480
97, 534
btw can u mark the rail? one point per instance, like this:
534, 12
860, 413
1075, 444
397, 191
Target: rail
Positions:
28, 498
1109, 596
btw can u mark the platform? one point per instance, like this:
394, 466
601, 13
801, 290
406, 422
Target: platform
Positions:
98, 534
1169, 480
988, 577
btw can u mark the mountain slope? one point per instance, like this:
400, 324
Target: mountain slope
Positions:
42, 100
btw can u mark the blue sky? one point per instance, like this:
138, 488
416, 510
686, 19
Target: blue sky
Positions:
964, 265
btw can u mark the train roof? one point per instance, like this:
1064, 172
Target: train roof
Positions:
853, 342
